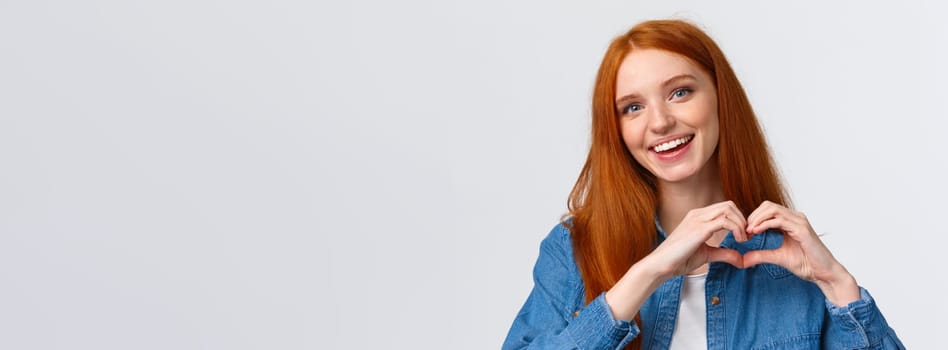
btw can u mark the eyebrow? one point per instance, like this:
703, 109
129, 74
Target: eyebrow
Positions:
667, 82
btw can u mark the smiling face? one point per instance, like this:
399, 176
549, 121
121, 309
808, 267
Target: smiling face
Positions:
667, 109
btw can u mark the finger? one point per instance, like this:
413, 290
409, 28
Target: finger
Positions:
715, 210
756, 257
729, 256
778, 223
761, 210
735, 214
765, 212
723, 222
736, 227
727, 210
792, 227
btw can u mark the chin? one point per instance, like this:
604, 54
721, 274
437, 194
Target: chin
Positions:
676, 175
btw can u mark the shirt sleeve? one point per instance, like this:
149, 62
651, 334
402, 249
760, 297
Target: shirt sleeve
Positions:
859, 325
546, 320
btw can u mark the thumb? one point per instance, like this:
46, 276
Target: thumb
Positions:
729, 256
756, 257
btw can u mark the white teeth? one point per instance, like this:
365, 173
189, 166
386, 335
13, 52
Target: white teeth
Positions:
672, 144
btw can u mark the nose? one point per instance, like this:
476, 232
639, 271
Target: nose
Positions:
660, 119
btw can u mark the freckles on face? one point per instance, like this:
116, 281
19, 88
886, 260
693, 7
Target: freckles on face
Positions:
667, 110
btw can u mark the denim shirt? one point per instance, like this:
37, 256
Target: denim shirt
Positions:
761, 307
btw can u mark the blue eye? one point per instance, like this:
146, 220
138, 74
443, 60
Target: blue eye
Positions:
681, 92
632, 108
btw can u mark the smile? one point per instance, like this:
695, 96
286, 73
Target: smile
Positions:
673, 144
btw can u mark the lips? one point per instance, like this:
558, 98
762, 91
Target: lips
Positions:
671, 144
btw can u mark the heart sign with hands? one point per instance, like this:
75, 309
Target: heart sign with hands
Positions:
802, 252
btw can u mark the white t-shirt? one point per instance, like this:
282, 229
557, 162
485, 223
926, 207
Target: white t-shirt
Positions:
691, 327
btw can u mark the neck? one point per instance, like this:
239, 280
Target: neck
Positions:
675, 199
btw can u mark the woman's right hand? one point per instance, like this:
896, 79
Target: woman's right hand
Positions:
685, 249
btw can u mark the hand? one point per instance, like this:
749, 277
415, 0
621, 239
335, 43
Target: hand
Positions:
685, 249
802, 252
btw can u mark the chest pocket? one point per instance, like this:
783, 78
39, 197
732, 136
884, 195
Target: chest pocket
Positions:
777, 271
798, 342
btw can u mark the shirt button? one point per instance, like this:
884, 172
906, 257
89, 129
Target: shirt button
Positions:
715, 300
576, 313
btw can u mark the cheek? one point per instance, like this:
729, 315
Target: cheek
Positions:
704, 115
632, 134
713, 129
698, 114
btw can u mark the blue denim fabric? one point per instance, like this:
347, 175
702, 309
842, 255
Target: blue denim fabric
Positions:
763, 307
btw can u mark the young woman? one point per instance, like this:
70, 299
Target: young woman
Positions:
679, 233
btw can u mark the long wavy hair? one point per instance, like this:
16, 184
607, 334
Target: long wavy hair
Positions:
614, 201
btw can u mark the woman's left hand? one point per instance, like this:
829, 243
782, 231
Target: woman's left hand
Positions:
802, 252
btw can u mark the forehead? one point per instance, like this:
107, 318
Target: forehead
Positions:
645, 69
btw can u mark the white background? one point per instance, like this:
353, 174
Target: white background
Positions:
367, 174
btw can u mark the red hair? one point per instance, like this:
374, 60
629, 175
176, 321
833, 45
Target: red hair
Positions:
614, 201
